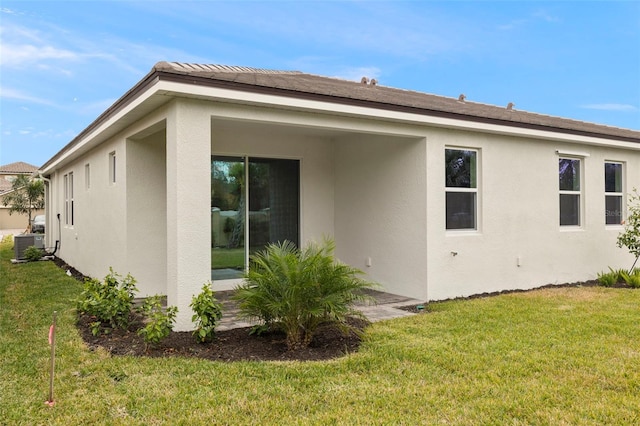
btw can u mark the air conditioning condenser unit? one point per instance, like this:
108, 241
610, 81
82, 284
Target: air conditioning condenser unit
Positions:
22, 242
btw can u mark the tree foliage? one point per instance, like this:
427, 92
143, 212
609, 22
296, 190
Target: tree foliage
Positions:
630, 237
26, 195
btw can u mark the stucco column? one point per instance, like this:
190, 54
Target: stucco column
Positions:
188, 206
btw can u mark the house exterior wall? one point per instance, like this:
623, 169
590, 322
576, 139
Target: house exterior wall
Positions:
519, 243
15, 220
381, 212
376, 184
97, 238
146, 218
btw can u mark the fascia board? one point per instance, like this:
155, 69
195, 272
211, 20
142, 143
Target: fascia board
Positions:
108, 125
316, 106
97, 134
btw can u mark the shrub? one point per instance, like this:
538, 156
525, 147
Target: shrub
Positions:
32, 253
159, 322
611, 278
630, 237
631, 278
297, 290
110, 302
208, 313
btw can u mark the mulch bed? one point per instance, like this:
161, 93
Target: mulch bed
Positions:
237, 344
229, 345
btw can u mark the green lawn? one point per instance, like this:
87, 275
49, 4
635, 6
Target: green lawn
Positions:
550, 357
222, 258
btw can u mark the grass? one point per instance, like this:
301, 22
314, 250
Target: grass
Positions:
546, 357
222, 258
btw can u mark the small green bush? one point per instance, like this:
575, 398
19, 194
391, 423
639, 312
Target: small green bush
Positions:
297, 290
110, 302
208, 312
630, 237
32, 253
611, 278
159, 321
632, 279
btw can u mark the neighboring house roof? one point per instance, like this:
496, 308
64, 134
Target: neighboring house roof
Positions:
17, 168
369, 94
13, 169
5, 186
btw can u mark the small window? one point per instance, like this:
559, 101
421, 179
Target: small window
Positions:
461, 177
570, 191
613, 193
87, 176
112, 167
68, 199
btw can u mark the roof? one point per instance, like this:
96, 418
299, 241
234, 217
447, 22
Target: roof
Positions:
299, 84
5, 186
369, 94
17, 168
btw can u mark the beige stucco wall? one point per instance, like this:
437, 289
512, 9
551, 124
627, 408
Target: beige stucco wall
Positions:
381, 211
519, 218
375, 185
97, 238
15, 220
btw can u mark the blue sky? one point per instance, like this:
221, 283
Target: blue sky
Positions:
62, 63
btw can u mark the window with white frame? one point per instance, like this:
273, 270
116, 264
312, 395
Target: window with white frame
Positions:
112, 167
68, 199
570, 188
461, 177
87, 176
613, 189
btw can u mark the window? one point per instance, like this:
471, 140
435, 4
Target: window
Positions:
570, 191
87, 176
613, 190
112, 167
461, 177
68, 199
254, 202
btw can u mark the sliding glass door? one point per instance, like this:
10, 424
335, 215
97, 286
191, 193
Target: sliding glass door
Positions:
261, 192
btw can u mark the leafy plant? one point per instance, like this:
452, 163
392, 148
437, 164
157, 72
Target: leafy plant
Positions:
630, 237
609, 279
631, 278
26, 195
208, 312
32, 253
109, 301
297, 290
159, 321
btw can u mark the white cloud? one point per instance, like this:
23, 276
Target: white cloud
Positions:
610, 107
8, 93
17, 55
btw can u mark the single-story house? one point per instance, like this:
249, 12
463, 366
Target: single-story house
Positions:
433, 197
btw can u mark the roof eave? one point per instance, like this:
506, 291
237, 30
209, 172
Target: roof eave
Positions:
142, 86
159, 73
181, 77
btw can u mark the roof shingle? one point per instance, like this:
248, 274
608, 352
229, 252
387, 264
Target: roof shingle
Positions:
17, 168
298, 84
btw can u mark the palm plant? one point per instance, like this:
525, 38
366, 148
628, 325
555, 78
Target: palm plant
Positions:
26, 195
297, 290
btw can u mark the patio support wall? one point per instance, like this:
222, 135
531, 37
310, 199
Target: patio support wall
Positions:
188, 200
